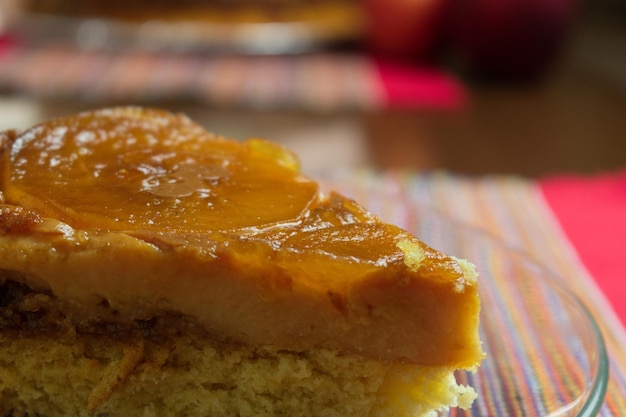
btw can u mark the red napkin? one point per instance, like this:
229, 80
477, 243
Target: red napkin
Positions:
407, 85
592, 211
6, 43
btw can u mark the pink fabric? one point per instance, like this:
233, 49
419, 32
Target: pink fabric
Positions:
407, 85
6, 43
592, 211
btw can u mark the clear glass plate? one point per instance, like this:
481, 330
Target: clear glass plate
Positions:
545, 353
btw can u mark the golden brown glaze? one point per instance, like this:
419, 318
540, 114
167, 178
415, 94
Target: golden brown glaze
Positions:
133, 169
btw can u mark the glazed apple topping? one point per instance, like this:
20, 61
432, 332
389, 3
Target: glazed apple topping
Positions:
171, 175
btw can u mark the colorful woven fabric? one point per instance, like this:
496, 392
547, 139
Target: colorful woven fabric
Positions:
318, 82
517, 213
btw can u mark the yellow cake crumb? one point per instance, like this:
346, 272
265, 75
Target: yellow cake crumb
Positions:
413, 254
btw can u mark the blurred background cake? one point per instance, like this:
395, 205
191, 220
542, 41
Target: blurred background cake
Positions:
225, 25
219, 10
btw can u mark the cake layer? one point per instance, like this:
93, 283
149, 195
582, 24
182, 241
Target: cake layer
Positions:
145, 212
171, 366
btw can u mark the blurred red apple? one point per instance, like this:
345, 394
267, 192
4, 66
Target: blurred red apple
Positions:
409, 28
509, 38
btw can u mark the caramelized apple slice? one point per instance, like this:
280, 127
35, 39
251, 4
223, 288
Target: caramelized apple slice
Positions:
136, 169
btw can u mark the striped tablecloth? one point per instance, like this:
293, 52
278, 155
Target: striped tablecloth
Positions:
546, 219
321, 82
